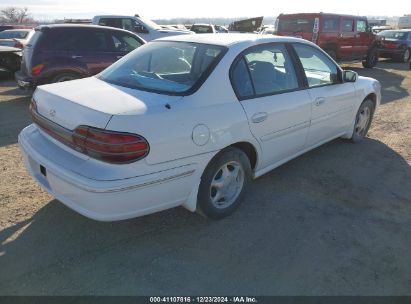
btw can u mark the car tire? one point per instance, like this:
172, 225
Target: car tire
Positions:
223, 184
405, 57
372, 59
363, 120
65, 77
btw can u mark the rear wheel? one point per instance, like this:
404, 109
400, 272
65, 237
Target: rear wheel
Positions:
223, 184
363, 120
372, 59
65, 77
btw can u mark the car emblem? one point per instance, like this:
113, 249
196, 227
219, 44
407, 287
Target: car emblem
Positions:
52, 113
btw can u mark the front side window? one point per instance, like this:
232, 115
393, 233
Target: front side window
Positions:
318, 68
264, 70
347, 25
165, 67
361, 26
124, 42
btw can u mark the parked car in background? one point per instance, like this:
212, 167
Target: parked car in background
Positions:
250, 25
396, 44
10, 59
204, 28
404, 22
11, 27
380, 28
64, 52
143, 27
343, 37
191, 126
16, 38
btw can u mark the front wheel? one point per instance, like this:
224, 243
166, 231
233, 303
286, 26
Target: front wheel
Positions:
223, 183
363, 120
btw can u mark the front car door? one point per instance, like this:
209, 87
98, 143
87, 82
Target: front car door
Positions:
277, 107
332, 100
362, 39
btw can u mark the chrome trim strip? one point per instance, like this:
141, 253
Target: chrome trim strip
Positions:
286, 131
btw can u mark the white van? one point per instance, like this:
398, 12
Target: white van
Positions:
404, 22
145, 28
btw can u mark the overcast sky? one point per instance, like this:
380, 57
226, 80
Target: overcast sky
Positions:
156, 9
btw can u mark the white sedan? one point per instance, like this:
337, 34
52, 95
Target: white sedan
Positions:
189, 121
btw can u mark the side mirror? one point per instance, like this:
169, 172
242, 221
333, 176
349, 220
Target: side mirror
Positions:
140, 29
350, 76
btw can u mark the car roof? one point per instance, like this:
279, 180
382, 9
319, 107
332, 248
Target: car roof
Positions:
322, 14
202, 24
231, 39
71, 25
18, 30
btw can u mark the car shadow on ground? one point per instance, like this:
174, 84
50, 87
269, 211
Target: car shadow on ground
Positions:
392, 87
14, 116
333, 221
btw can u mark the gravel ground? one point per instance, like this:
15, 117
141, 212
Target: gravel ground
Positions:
335, 221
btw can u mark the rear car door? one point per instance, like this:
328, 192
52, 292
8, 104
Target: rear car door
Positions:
277, 107
347, 38
332, 101
91, 49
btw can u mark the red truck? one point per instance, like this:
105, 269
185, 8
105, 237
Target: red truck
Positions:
345, 38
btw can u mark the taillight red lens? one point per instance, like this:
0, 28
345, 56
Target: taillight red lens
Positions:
110, 146
36, 70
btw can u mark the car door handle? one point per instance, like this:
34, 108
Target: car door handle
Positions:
259, 117
76, 56
319, 101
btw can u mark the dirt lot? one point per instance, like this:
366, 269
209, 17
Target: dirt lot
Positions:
334, 221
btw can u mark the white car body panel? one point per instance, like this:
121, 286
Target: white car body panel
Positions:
153, 33
170, 174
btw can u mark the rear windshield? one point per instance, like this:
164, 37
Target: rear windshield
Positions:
296, 25
394, 35
165, 67
14, 34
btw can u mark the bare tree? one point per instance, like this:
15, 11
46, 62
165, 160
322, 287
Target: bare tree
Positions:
14, 14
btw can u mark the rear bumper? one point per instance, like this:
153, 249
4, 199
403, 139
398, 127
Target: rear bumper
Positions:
23, 81
107, 200
388, 53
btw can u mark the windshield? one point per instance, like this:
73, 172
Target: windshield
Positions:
296, 25
165, 67
394, 35
14, 34
150, 24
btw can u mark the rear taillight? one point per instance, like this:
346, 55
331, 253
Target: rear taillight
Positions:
108, 146
36, 70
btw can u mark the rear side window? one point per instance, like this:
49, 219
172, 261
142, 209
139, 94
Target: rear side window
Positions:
79, 40
296, 25
318, 68
347, 25
113, 22
330, 25
361, 26
241, 80
124, 42
268, 67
